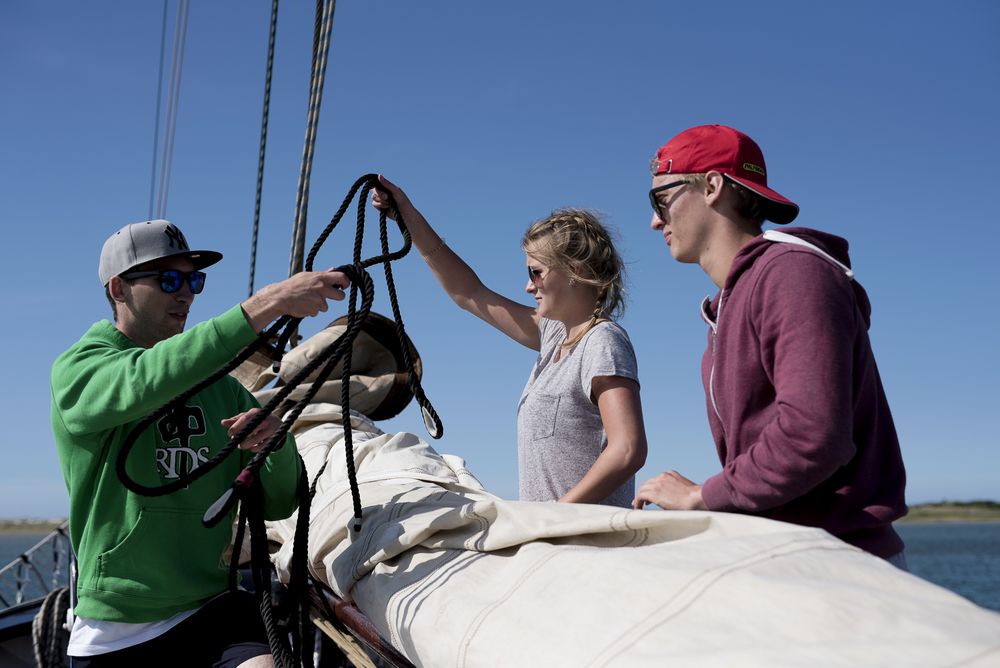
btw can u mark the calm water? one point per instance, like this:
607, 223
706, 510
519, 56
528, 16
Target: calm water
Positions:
962, 557
13, 544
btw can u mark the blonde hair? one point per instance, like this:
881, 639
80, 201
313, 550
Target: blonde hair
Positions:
575, 242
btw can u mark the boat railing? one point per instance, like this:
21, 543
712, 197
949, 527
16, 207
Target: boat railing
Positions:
39, 570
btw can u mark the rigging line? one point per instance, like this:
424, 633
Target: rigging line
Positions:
159, 103
173, 99
263, 144
321, 49
157, 212
298, 236
173, 102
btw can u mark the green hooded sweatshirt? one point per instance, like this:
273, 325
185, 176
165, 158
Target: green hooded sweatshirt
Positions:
141, 558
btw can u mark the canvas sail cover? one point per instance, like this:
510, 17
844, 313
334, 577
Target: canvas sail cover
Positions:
455, 576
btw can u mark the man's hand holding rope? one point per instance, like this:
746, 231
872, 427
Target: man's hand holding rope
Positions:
303, 295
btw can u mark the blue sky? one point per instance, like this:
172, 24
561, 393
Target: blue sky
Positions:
879, 119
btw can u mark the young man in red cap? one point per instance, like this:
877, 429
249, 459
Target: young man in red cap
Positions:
795, 403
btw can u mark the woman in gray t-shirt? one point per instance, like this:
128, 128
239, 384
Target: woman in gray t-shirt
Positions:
579, 425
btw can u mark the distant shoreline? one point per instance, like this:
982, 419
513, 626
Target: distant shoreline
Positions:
953, 511
29, 526
921, 513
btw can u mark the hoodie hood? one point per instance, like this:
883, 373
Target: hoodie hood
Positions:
830, 247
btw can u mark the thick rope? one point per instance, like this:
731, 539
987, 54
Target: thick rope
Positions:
49, 636
263, 142
431, 420
322, 367
299, 622
336, 348
234, 559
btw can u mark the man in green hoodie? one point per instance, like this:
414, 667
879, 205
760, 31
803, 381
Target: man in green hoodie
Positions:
152, 580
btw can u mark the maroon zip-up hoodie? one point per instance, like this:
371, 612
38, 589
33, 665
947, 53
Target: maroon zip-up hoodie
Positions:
795, 402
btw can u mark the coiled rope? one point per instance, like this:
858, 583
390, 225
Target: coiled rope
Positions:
244, 486
49, 635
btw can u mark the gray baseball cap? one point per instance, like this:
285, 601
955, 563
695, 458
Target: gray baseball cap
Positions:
139, 243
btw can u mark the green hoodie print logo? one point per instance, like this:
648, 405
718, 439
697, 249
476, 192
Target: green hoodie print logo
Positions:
179, 427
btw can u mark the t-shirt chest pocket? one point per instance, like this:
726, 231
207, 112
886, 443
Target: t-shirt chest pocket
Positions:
542, 410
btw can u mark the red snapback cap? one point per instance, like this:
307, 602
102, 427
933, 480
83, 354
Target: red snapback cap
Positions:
726, 150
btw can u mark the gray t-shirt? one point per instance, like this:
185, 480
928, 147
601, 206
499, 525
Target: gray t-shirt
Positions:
559, 428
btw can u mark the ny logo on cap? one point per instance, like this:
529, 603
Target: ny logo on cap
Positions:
177, 239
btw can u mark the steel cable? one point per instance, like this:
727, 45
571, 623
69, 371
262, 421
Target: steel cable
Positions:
321, 48
159, 103
173, 101
263, 143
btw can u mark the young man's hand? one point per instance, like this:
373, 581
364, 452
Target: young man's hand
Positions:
304, 294
670, 491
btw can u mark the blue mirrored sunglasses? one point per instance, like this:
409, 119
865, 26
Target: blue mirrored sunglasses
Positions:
171, 280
